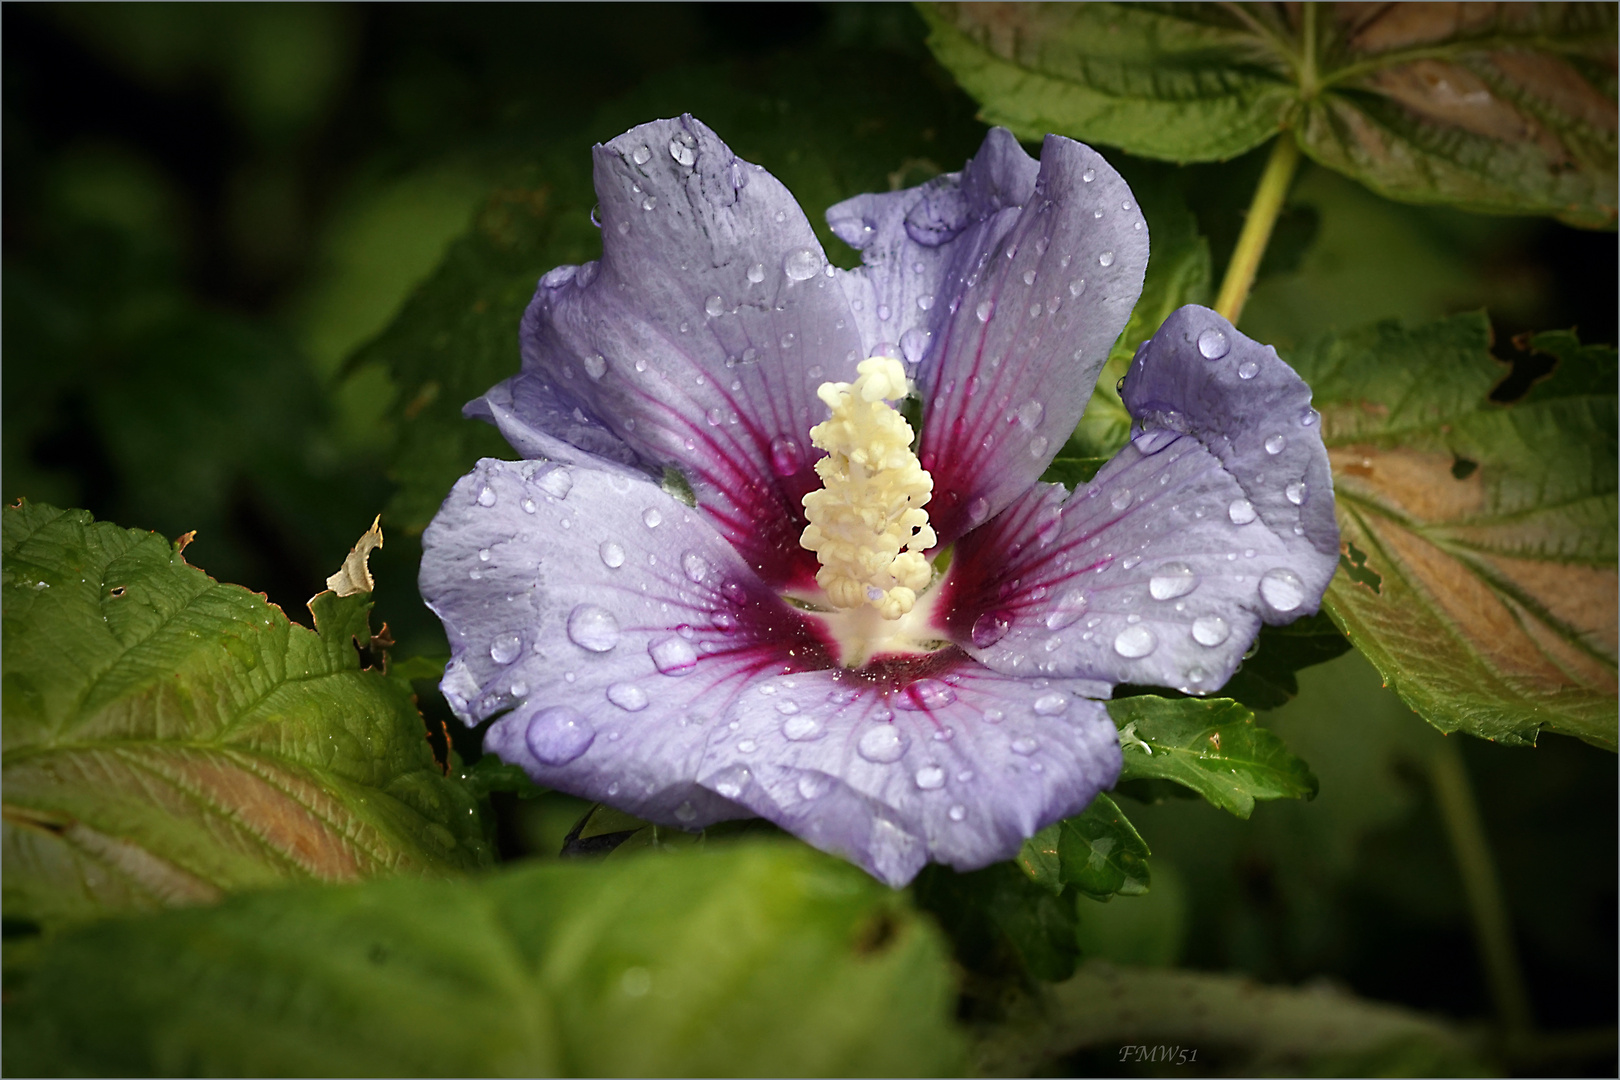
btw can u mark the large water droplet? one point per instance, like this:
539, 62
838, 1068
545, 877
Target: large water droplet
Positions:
1037, 446
1089, 175
641, 155
756, 273
801, 728
673, 656
505, 649
984, 309
696, 567
801, 264
596, 365
1213, 345
990, 628
1120, 499
1241, 511
730, 783
924, 694
1068, 608
786, 457
612, 554
627, 696
882, 744
557, 483
1135, 642
930, 777
1210, 630
486, 497
1029, 414
1295, 492
652, 518
1172, 580
925, 302
914, 344
593, 628
1106, 259
1248, 369
1024, 745
1282, 589
681, 152
714, 306
558, 735
1052, 704
1275, 444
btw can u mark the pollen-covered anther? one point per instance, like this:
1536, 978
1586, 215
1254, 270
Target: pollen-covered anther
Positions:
867, 525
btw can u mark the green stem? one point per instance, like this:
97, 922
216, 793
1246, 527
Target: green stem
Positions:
1263, 211
1488, 908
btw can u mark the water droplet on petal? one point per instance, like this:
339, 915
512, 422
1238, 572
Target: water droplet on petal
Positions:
924, 694
627, 696
1295, 492
673, 656
1024, 745
786, 457
714, 306
558, 735
1135, 642
681, 152
1172, 580
801, 728
914, 344
1241, 511
612, 554
1089, 175
1213, 345
730, 783
990, 628
1308, 418
486, 497
882, 744
1029, 414
505, 649
696, 567
1052, 704
641, 155
801, 264
1029, 277
596, 365
1106, 259
593, 628
557, 483
1210, 630
1275, 444
984, 309
1282, 589
1068, 608
1120, 499
649, 202
1129, 561
930, 777
652, 518
978, 510
925, 302
1151, 442
993, 716
1248, 369
756, 273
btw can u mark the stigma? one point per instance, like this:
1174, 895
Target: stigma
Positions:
867, 524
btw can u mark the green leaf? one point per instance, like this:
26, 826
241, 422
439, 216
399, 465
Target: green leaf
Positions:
1266, 678
168, 738
1479, 540
764, 959
1504, 110
1229, 1022
1001, 922
1213, 747
1098, 852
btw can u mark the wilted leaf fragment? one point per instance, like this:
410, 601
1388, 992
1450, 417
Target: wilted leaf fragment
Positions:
168, 738
1213, 747
762, 960
354, 576
1479, 569
1506, 108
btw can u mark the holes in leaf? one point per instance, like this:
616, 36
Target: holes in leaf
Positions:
1353, 564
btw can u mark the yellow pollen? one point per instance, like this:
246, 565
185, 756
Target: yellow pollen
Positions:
867, 525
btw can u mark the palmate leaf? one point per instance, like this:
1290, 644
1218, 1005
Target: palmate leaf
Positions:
168, 738
1213, 747
761, 960
1506, 108
1479, 540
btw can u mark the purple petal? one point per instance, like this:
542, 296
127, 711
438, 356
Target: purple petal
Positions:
958, 767
611, 620
1161, 570
697, 342
1028, 296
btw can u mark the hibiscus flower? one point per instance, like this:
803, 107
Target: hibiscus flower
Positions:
728, 580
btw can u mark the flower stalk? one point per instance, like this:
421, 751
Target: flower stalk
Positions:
1257, 227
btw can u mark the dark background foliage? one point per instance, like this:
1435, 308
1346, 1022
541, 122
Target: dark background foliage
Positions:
208, 210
